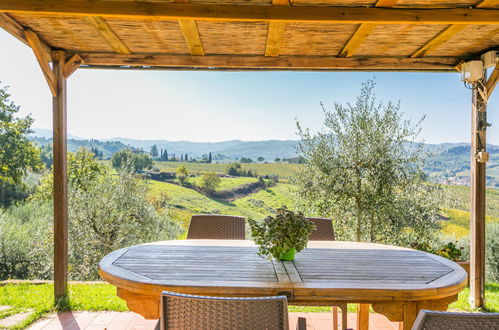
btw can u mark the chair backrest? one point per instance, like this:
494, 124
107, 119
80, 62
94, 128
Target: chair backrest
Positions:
181, 311
215, 226
324, 229
432, 320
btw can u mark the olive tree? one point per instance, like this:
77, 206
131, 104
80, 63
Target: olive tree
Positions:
364, 169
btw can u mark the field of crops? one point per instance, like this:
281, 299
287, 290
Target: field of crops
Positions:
284, 171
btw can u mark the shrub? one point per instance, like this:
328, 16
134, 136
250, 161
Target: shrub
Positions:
210, 181
182, 174
26, 241
492, 252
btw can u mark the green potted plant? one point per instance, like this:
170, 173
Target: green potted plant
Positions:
283, 235
449, 251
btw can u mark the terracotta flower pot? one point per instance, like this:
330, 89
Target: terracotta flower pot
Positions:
466, 266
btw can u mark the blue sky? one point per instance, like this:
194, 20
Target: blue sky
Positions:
217, 106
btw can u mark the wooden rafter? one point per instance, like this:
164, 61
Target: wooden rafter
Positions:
261, 62
439, 39
43, 55
362, 32
252, 13
191, 34
492, 81
108, 34
72, 65
447, 33
275, 33
488, 4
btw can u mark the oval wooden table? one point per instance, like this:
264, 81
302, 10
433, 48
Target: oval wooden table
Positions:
397, 282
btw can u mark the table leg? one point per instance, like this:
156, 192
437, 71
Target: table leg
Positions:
363, 317
410, 314
335, 317
145, 305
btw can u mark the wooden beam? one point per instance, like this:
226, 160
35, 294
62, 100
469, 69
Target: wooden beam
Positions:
72, 65
478, 186
275, 33
10, 25
108, 34
492, 81
251, 13
439, 39
60, 180
362, 32
261, 62
43, 55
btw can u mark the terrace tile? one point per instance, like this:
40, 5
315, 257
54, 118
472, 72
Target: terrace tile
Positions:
132, 321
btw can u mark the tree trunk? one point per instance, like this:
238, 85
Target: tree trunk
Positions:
371, 228
359, 219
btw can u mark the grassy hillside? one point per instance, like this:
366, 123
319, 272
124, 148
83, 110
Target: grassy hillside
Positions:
186, 202
257, 205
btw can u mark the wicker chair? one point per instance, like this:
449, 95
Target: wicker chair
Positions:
432, 320
324, 229
214, 226
324, 232
182, 311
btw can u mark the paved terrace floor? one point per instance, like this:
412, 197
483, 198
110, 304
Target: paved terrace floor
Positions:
128, 320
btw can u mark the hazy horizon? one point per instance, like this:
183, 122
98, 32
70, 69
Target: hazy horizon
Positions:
72, 136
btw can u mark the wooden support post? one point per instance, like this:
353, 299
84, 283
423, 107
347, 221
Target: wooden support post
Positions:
363, 317
478, 184
60, 180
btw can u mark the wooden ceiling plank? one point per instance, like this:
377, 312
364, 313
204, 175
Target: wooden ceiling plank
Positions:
439, 39
362, 32
281, 62
10, 25
108, 34
252, 13
275, 33
492, 80
72, 65
43, 57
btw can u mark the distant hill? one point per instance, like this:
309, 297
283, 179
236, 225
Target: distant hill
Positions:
450, 163
47, 133
232, 149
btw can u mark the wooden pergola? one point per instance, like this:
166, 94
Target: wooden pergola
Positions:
356, 35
